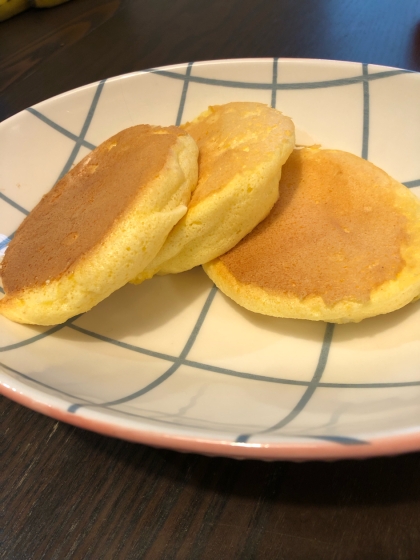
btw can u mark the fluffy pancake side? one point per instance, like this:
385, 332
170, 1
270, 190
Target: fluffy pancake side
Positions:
242, 149
100, 225
341, 244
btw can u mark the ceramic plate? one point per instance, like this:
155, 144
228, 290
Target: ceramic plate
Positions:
173, 362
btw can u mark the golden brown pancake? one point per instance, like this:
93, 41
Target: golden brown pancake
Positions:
341, 244
101, 224
242, 149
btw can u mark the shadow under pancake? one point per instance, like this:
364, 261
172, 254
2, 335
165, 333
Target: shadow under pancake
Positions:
297, 328
312, 330
137, 309
381, 323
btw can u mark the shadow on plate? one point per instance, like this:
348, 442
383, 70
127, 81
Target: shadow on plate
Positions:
137, 309
403, 319
310, 330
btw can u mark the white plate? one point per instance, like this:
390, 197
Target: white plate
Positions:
173, 362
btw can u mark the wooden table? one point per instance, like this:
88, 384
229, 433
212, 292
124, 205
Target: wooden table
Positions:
68, 493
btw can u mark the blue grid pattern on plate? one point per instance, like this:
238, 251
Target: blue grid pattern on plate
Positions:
176, 361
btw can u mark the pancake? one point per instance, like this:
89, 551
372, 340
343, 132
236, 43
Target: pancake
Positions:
99, 226
242, 149
341, 244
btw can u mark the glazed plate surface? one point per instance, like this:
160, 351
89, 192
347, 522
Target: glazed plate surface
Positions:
174, 363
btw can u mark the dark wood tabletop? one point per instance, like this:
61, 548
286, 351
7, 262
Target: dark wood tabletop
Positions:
70, 493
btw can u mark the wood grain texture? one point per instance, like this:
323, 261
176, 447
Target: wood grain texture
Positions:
72, 494
87, 40
69, 493
18, 58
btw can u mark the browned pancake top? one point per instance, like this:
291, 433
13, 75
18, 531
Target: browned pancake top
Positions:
83, 206
235, 138
334, 231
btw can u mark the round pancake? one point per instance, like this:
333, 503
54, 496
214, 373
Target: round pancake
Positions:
100, 225
242, 149
341, 244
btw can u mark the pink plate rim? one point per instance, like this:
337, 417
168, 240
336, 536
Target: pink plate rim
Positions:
302, 451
